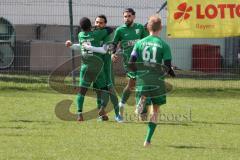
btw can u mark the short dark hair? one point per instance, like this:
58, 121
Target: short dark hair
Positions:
129, 10
103, 17
85, 24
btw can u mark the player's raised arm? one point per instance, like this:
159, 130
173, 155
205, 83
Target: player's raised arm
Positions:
109, 48
75, 47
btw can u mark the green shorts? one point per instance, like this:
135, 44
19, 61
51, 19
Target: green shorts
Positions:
89, 75
130, 74
155, 97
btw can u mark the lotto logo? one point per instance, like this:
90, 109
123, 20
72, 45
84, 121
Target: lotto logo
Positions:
209, 11
183, 12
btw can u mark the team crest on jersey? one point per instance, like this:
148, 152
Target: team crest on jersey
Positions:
137, 31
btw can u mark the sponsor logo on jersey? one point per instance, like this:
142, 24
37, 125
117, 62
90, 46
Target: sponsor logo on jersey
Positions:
132, 42
137, 31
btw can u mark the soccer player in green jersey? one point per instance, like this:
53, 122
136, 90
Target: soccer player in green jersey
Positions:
91, 62
150, 52
100, 22
127, 35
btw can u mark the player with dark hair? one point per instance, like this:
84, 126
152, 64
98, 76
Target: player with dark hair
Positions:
127, 35
100, 22
91, 62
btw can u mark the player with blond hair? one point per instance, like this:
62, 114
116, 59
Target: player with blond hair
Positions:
151, 52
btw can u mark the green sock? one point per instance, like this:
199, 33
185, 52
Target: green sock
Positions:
80, 100
99, 101
114, 101
151, 128
126, 95
104, 98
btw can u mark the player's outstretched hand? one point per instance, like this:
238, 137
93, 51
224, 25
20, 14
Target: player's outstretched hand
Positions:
68, 43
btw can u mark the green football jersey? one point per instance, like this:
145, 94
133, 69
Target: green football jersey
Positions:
128, 36
93, 38
150, 52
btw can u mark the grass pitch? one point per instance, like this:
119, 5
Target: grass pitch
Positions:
200, 121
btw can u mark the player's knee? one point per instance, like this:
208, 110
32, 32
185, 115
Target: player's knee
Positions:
154, 117
127, 89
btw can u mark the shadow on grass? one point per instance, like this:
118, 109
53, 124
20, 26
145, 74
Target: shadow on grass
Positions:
186, 147
215, 123
30, 121
62, 111
159, 123
199, 147
190, 123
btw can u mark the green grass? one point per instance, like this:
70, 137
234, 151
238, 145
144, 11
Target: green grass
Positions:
29, 128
